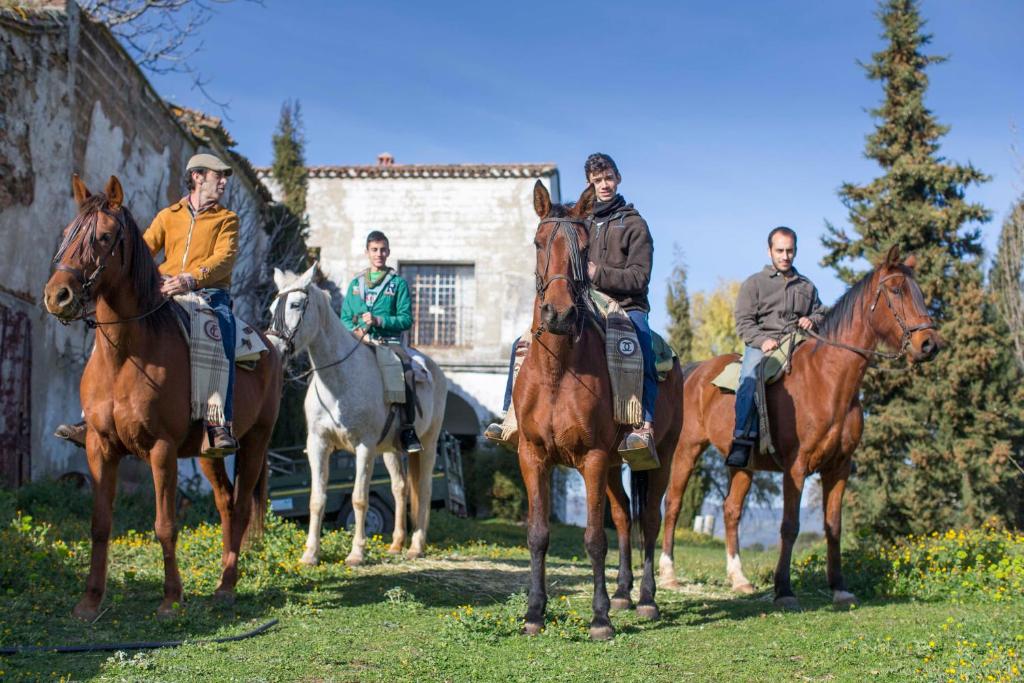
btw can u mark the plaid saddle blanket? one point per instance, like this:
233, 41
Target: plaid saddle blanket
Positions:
625, 361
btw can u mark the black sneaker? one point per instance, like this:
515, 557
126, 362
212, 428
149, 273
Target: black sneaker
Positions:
410, 442
739, 454
74, 433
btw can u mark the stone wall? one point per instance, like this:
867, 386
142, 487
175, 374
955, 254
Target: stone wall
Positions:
72, 101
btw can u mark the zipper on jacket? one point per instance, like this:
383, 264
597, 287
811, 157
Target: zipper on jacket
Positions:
188, 240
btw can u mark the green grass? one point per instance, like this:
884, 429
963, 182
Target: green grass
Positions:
454, 615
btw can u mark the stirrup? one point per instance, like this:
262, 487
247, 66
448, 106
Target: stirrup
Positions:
410, 442
74, 433
506, 436
219, 443
637, 451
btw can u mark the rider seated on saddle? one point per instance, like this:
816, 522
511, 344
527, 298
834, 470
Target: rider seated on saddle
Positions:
199, 238
770, 303
377, 302
621, 255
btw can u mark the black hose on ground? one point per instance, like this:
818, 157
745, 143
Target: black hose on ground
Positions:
143, 645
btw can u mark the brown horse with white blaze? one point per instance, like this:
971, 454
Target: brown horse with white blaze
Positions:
815, 414
563, 400
135, 392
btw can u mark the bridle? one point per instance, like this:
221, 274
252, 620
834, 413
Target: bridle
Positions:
279, 329
87, 282
577, 279
907, 330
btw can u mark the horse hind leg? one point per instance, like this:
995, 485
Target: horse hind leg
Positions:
398, 492
833, 485
620, 517
421, 476
683, 463
318, 453
739, 486
104, 476
650, 520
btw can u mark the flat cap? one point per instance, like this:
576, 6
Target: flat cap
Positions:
208, 161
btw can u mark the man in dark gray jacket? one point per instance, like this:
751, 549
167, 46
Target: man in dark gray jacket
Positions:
771, 303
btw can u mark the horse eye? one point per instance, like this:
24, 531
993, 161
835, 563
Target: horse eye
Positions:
105, 238
296, 304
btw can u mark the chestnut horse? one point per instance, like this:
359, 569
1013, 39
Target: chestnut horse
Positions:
815, 415
563, 401
135, 392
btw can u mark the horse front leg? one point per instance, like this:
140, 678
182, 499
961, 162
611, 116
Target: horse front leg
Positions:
318, 452
595, 476
216, 473
537, 478
164, 462
619, 503
360, 503
739, 486
682, 467
792, 490
833, 485
397, 476
104, 476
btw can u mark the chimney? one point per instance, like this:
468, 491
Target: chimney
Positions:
385, 159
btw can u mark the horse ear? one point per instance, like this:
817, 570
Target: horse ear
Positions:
893, 257
79, 189
541, 200
318, 273
279, 278
115, 194
910, 262
585, 205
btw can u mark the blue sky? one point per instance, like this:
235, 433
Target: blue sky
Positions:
726, 119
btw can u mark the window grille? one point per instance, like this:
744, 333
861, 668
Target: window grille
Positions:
442, 303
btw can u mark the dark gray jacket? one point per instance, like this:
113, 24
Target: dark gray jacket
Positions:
769, 304
622, 249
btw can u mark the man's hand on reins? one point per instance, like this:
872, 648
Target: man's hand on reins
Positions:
805, 323
591, 269
179, 284
769, 345
369, 320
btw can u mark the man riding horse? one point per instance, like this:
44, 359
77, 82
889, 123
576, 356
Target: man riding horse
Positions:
620, 260
377, 303
199, 238
769, 304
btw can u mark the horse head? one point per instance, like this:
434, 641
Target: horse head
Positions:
562, 241
293, 326
99, 248
898, 312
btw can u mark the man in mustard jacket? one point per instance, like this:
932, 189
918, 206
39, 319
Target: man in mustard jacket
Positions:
199, 238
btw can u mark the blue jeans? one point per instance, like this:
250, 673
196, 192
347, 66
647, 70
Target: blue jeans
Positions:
643, 335
220, 302
745, 394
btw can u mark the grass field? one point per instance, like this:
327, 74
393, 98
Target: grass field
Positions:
455, 614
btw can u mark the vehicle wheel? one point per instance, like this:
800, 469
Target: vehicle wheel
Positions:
380, 518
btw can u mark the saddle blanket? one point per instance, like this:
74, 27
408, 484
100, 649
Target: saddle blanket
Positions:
625, 360
209, 365
393, 374
775, 366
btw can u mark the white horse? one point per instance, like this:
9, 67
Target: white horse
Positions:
345, 409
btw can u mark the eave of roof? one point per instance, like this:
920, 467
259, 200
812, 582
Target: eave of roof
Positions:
400, 171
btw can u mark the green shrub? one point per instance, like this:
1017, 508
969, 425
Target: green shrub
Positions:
494, 484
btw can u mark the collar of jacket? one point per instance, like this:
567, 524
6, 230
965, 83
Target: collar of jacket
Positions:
771, 271
183, 204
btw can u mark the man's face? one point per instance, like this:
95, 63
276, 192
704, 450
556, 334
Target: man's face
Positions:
606, 184
782, 251
377, 253
210, 184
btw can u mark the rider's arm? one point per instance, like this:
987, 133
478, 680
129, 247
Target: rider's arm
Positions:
746, 314
154, 236
818, 309
634, 278
351, 308
217, 266
401, 319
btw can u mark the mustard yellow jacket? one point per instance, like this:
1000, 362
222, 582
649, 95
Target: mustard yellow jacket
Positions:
205, 248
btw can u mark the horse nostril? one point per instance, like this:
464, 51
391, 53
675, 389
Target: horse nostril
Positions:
63, 297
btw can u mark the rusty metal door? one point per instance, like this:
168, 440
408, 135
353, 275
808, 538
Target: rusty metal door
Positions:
15, 397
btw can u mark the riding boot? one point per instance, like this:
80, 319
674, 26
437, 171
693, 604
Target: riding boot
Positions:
219, 442
637, 449
410, 442
739, 453
74, 433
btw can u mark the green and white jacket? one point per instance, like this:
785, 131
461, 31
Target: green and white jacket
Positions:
386, 296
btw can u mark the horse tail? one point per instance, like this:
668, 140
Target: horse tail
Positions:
639, 483
260, 495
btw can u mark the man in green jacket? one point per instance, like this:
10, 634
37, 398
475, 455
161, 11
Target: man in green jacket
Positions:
377, 305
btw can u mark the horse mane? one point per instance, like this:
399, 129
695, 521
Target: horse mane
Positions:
142, 271
839, 317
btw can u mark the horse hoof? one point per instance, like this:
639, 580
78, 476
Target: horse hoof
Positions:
649, 612
602, 632
85, 612
744, 589
414, 554
842, 600
395, 550
166, 613
788, 603
309, 560
223, 597
354, 560
532, 628
621, 604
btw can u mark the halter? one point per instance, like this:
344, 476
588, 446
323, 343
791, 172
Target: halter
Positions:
578, 280
87, 282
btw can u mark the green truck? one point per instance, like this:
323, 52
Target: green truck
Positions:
290, 486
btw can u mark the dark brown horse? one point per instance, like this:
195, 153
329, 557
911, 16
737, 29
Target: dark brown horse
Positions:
135, 392
563, 401
815, 414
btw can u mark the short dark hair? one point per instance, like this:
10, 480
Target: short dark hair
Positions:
781, 230
598, 163
377, 236
189, 183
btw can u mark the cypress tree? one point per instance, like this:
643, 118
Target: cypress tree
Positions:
937, 440
289, 167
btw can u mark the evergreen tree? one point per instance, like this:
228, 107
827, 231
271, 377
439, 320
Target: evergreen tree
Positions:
1007, 278
937, 441
680, 332
289, 167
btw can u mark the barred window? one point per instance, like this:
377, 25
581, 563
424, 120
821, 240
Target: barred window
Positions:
442, 303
